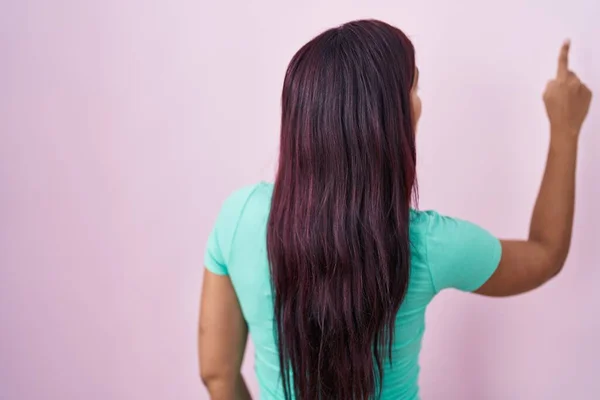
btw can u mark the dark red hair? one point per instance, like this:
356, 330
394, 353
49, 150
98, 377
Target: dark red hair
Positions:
338, 231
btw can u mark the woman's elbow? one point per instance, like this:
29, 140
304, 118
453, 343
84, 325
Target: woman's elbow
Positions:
213, 377
558, 260
220, 385
209, 376
558, 268
206, 377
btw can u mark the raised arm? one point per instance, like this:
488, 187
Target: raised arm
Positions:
527, 264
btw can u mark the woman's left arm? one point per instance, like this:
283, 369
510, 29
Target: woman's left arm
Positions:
222, 336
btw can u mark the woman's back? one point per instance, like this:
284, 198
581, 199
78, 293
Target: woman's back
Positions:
445, 252
330, 270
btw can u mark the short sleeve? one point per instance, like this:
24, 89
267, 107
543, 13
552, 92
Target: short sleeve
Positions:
213, 257
461, 255
221, 237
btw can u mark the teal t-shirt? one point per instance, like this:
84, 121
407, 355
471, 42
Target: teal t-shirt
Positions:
445, 253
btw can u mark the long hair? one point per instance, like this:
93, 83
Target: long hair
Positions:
338, 230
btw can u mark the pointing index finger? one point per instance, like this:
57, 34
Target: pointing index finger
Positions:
563, 60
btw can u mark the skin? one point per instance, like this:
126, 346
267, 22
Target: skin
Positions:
416, 104
222, 337
525, 264
528, 264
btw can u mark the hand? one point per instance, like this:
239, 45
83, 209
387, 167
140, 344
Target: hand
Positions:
567, 99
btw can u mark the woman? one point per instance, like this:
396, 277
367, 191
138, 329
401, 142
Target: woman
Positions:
330, 269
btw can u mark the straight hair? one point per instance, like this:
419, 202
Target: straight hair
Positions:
338, 229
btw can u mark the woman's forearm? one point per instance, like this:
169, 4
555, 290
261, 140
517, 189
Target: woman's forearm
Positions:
552, 219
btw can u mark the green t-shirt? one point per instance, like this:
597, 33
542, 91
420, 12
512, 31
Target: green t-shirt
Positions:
445, 253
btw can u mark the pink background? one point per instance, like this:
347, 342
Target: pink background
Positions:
124, 124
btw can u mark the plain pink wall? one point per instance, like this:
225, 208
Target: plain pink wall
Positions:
124, 124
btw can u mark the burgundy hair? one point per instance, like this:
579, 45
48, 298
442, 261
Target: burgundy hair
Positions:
338, 231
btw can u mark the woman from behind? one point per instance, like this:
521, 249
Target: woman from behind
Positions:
330, 268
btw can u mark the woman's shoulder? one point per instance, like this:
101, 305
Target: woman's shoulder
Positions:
247, 200
459, 253
431, 222
246, 206
435, 228
239, 198
422, 220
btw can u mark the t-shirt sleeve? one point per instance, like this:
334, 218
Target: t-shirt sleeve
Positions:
221, 237
213, 257
461, 255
